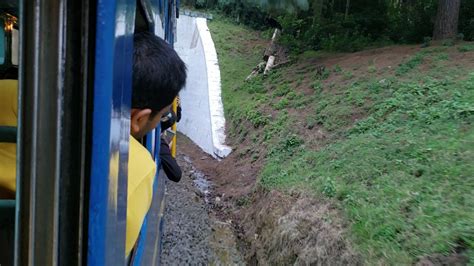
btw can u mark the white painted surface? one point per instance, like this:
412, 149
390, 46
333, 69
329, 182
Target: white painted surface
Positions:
202, 111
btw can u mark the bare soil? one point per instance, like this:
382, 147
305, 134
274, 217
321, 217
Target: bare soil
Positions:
232, 178
383, 61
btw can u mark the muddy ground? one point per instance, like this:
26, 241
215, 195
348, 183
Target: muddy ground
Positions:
194, 235
217, 216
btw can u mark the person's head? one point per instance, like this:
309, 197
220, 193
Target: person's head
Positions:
158, 76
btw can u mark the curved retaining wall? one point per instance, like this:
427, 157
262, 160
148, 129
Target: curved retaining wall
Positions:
202, 111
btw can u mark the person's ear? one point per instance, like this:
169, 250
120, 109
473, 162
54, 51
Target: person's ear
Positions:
139, 118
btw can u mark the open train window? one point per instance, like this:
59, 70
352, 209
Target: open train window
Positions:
9, 44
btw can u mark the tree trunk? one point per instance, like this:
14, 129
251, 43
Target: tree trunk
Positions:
317, 10
446, 24
270, 63
271, 49
348, 3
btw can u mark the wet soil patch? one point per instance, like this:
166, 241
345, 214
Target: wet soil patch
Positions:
193, 233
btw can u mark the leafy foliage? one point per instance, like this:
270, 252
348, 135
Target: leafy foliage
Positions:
324, 24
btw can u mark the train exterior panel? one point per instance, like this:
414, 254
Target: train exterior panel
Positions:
74, 66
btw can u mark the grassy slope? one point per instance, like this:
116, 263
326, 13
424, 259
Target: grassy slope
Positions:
402, 172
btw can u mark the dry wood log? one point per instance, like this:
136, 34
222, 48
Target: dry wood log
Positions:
270, 63
257, 70
281, 64
252, 75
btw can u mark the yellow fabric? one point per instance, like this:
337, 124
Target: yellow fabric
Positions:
8, 117
141, 174
141, 167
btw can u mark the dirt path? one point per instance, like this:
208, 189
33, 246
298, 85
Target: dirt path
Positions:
193, 234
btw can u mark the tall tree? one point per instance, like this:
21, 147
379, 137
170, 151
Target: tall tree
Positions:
348, 3
447, 18
317, 6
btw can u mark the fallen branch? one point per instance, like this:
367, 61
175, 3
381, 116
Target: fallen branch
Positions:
256, 70
281, 64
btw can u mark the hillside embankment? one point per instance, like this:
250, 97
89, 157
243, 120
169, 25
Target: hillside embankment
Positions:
359, 158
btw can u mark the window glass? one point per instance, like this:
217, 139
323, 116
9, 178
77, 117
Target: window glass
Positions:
15, 46
2, 43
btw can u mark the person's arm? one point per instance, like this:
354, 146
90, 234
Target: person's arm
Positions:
178, 113
168, 121
168, 163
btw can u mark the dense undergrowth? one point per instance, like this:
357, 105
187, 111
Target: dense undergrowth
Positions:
393, 147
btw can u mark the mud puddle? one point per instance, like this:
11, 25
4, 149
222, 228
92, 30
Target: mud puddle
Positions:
193, 234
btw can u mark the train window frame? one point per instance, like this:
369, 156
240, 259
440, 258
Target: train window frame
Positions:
15, 45
3, 42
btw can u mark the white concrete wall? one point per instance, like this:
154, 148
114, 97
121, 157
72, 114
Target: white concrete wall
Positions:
202, 111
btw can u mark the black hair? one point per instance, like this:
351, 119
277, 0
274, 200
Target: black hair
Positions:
158, 72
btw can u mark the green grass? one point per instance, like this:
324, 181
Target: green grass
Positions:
411, 64
404, 175
466, 48
399, 155
241, 98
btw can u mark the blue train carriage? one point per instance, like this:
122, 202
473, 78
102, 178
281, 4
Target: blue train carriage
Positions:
73, 62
